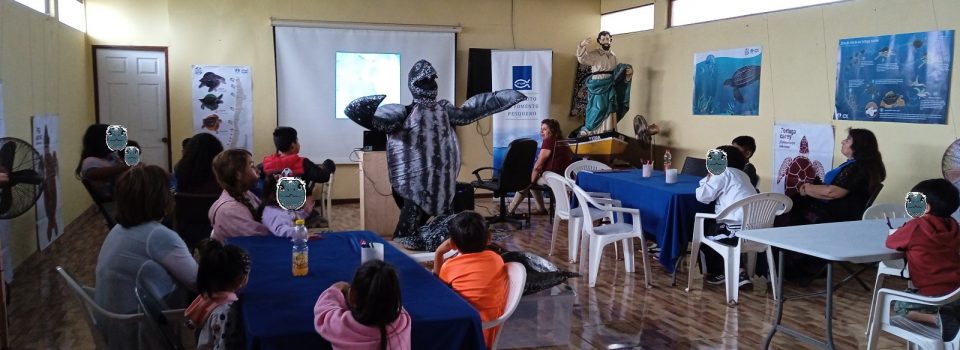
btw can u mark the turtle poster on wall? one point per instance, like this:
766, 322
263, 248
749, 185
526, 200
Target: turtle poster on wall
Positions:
222, 104
46, 140
802, 153
901, 78
727, 82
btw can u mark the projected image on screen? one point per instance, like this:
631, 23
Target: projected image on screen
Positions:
364, 74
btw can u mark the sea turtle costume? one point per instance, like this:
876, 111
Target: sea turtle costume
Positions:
423, 155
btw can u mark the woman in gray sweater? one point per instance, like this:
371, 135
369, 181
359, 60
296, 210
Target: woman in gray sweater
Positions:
143, 196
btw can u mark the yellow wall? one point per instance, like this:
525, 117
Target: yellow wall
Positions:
797, 83
46, 68
238, 32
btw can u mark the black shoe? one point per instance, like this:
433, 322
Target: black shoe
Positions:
744, 280
947, 320
715, 279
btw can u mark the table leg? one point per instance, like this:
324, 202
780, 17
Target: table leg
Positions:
829, 311
779, 301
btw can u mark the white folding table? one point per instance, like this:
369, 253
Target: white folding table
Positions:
852, 241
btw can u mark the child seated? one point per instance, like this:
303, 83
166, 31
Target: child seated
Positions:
730, 186
477, 274
931, 243
223, 270
288, 157
237, 212
366, 314
280, 221
748, 146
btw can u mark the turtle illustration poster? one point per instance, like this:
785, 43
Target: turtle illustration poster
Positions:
802, 153
901, 78
46, 140
727, 82
222, 104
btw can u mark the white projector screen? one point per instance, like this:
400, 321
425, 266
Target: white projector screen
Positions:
312, 88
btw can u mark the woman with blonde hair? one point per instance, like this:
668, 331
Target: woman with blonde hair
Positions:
237, 211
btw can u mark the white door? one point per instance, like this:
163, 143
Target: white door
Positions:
132, 91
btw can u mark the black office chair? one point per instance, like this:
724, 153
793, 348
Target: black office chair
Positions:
190, 212
514, 176
873, 196
99, 200
695, 167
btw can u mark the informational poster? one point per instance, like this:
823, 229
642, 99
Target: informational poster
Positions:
727, 82
901, 78
222, 104
46, 140
530, 73
802, 153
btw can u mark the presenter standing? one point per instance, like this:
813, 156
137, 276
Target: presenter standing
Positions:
608, 86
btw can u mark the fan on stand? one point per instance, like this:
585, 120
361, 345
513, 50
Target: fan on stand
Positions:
645, 132
23, 166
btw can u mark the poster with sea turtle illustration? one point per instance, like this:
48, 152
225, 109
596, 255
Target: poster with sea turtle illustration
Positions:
222, 104
46, 140
727, 82
802, 153
902, 78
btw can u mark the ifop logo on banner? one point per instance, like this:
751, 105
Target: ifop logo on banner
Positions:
523, 77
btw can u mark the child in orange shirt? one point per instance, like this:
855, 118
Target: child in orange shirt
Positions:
477, 274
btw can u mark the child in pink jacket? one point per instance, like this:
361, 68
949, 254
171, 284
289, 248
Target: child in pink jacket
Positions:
359, 316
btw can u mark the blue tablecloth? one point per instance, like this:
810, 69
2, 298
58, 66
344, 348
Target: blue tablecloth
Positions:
666, 210
277, 308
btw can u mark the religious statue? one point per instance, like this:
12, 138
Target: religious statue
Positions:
608, 86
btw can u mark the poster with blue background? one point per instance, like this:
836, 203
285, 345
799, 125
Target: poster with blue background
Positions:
901, 78
727, 82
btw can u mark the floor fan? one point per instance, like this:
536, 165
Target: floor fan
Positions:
25, 168
645, 132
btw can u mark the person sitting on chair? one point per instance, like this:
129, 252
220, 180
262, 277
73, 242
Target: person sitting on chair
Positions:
552, 157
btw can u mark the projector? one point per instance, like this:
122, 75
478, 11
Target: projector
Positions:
374, 141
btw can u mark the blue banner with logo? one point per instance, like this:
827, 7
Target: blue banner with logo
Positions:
529, 72
901, 78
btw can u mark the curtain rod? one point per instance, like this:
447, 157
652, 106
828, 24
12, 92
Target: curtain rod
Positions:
367, 26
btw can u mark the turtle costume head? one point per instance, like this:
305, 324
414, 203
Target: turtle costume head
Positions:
422, 81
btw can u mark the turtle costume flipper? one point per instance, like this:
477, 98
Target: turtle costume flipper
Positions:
482, 105
367, 112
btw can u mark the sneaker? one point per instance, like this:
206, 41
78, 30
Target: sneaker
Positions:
744, 280
715, 279
947, 321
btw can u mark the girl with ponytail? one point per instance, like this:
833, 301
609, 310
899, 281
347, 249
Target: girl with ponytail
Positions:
237, 212
223, 270
366, 314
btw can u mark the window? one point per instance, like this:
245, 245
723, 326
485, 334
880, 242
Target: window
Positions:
628, 21
40, 5
72, 13
684, 12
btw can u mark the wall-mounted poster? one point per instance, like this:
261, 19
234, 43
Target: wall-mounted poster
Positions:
727, 82
46, 140
901, 78
802, 153
222, 104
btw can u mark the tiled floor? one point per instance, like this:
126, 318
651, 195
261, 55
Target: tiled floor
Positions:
619, 313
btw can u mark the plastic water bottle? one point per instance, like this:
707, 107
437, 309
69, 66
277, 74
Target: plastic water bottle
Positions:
301, 253
667, 160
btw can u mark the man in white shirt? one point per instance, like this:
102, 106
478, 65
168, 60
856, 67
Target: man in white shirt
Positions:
726, 188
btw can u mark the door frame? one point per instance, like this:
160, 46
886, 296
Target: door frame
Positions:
166, 62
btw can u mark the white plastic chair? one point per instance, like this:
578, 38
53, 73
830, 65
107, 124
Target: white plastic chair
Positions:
327, 199
886, 267
517, 279
571, 171
595, 238
92, 310
759, 211
917, 335
560, 187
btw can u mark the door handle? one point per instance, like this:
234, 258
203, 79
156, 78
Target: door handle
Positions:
165, 140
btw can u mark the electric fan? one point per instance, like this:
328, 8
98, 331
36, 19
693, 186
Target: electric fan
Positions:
645, 132
25, 168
